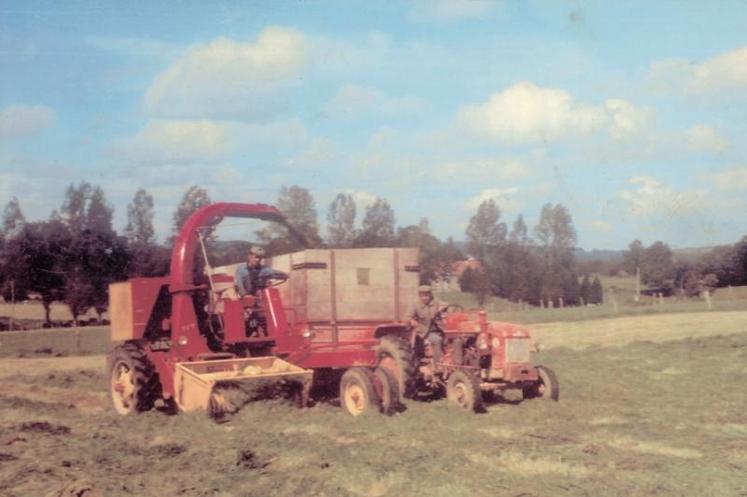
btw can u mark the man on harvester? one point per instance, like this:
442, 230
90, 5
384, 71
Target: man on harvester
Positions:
254, 275
427, 323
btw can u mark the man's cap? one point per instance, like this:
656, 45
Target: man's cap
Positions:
424, 289
258, 251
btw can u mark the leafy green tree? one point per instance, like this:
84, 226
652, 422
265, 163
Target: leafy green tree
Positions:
94, 260
194, 198
341, 221
378, 226
139, 227
13, 218
147, 258
431, 262
519, 263
596, 293
74, 208
633, 257
657, 266
485, 232
586, 289
557, 238
99, 213
34, 261
299, 208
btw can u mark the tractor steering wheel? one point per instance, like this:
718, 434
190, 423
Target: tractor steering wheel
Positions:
452, 308
273, 282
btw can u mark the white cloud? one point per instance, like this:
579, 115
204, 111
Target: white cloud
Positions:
352, 101
226, 78
362, 199
176, 142
705, 138
452, 10
723, 72
20, 121
481, 170
503, 197
652, 198
626, 119
526, 112
731, 179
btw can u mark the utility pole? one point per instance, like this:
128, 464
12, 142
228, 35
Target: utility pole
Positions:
12, 304
637, 283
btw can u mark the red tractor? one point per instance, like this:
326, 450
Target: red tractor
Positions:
480, 358
191, 345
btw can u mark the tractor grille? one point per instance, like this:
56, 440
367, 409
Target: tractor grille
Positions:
517, 350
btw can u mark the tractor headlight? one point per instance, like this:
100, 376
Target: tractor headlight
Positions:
483, 343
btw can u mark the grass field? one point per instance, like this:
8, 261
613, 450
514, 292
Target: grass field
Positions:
35, 310
661, 417
724, 299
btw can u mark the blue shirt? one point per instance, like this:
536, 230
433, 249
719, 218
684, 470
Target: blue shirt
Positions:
250, 280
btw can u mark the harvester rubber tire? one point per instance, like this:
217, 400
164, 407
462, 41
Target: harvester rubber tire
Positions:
133, 382
357, 393
387, 389
463, 391
547, 386
395, 354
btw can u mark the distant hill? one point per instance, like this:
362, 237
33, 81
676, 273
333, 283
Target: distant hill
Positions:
599, 255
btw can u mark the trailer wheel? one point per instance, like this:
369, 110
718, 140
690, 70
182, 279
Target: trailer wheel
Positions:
546, 387
463, 391
387, 389
395, 355
357, 394
133, 380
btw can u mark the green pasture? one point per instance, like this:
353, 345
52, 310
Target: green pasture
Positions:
645, 419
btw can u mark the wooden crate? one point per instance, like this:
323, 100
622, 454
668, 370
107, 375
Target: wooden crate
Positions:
348, 285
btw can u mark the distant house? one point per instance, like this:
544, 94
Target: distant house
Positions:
450, 281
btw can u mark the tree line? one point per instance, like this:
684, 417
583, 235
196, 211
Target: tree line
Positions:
661, 272
74, 255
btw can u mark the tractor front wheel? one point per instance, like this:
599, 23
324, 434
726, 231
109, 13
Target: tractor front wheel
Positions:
357, 394
463, 391
133, 381
546, 386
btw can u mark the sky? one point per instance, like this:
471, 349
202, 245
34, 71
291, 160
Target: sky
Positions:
631, 114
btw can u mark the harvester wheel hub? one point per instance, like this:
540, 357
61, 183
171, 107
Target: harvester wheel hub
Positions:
123, 386
355, 399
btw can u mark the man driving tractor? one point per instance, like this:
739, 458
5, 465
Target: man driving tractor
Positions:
427, 322
253, 276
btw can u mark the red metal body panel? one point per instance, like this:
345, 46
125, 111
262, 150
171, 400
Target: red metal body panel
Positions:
234, 324
515, 373
337, 357
144, 294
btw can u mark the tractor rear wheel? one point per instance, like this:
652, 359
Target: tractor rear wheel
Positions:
357, 394
463, 391
387, 389
546, 386
395, 355
133, 381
